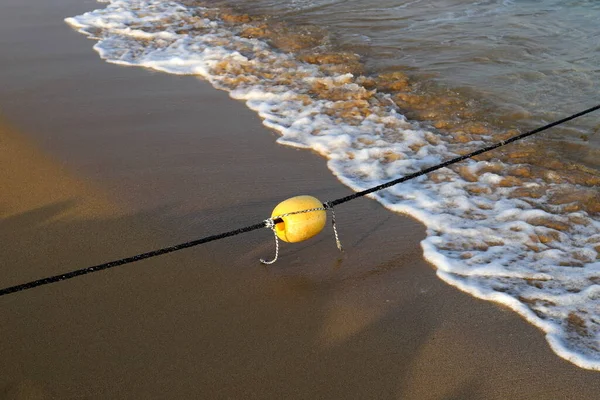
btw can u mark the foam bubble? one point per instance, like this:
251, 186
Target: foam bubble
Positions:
492, 229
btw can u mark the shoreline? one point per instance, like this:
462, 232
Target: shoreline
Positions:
174, 156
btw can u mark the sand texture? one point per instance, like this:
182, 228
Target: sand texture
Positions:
101, 162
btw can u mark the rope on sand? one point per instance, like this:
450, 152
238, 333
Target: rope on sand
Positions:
273, 221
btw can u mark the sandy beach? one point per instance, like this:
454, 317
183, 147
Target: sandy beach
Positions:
101, 162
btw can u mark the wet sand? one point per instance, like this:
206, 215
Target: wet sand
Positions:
101, 162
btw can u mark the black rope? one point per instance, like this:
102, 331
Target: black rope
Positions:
128, 260
328, 204
459, 159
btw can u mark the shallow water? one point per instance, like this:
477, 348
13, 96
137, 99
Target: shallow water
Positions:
531, 59
386, 90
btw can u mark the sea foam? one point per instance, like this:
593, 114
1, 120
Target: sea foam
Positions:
486, 234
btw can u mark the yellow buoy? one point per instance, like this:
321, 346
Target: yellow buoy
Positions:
299, 227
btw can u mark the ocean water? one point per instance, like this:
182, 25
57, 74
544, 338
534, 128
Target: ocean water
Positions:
386, 88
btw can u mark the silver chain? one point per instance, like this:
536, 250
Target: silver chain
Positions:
270, 224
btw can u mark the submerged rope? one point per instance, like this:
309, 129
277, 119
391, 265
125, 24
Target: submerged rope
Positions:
271, 222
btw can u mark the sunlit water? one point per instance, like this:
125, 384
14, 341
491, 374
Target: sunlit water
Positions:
538, 58
383, 89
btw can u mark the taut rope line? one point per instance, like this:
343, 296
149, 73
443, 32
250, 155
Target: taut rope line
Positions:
461, 158
270, 223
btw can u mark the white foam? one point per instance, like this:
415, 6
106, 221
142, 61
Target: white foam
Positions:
485, 244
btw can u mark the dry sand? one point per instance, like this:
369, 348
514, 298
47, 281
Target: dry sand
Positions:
104, 162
